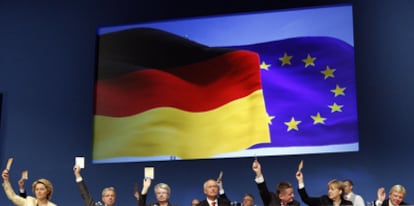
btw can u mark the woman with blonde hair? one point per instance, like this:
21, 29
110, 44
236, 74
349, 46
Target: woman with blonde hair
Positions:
42, 188
334, 197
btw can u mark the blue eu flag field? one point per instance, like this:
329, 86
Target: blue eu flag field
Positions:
309, 91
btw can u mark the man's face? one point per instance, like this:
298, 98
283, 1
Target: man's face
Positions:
109, 197
287, 195
396, 198
247, 201
347, 187
162, 195
211, 189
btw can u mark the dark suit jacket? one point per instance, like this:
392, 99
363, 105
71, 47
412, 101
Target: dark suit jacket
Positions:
142, 201
319, 201
222, 201
270, 198
86, 196
23, 194
387, 203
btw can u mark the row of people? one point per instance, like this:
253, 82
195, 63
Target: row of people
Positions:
339, 193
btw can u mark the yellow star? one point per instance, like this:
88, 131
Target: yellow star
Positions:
328, 72
338, 91
309, 61
318, 119
293, 124
335, 107
264, 66
285, 59
269, 119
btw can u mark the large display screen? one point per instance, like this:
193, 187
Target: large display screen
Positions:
239, 85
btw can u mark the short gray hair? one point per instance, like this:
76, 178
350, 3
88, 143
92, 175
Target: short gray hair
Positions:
106, 189
162, 186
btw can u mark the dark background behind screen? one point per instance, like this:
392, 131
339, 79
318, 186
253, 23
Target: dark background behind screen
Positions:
47, 63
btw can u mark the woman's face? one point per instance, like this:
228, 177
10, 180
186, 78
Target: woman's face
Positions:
162, 195
333, 192
41, 191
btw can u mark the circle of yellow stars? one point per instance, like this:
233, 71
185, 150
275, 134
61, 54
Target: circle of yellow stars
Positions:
328, 72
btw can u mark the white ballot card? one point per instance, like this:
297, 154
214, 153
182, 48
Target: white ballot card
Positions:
80, 161
220, 176
9, 163
300, 166
149, 172
25, 175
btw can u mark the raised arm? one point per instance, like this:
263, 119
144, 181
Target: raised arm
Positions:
257, 168
265, 194
16, 199
311, 201
380, 196
146, 184
86, 196
22, 191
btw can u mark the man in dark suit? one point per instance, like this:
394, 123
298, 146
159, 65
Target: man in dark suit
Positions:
212, 189
284, 191
108, 193
395, 197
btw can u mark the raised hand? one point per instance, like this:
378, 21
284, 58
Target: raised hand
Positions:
299, 177
5, 175
381, 194
146, 184
257, 168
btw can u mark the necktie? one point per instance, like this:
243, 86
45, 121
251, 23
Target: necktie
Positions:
213, 203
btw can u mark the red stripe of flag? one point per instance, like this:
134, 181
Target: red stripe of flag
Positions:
197, 87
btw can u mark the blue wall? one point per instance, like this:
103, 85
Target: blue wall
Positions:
47, 60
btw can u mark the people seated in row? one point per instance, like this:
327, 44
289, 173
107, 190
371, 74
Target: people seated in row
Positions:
340, 193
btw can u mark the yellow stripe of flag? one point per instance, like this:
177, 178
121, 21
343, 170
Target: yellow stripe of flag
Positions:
187, 135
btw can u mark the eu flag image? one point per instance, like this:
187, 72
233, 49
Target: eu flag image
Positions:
309, 90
